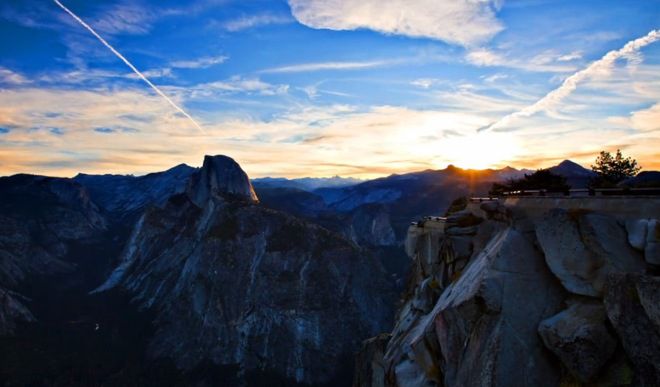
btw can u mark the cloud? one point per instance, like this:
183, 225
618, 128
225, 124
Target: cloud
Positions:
11, 77
462, 22
495, 77
570, 56
124, 18
299, 140
645, 120
425, 83
544, 62
235, 85
321, 66
247, 22
130, 65
167, 72
199, 63
153, 73
602, 66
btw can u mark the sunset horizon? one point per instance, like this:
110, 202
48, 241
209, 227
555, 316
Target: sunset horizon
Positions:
114, 88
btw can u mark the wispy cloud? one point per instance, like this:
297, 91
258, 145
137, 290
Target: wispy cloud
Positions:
130, 65
252, 21
570, 56
239, 84
544, 62
463, 22
12, 77
644, 120
426, 83
553, 98
124, 18
199, 63
321, 66
495, 77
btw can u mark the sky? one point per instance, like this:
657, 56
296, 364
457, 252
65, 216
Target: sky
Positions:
326, 87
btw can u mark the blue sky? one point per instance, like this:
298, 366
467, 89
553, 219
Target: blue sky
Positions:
319, 88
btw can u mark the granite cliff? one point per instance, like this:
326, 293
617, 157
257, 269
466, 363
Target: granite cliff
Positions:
256, 291
527, 292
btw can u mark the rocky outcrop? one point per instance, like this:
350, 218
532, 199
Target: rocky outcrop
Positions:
238, 285
220, 175
582, 249
522, 298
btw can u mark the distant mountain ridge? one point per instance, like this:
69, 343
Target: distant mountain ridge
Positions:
128, 194
306, 183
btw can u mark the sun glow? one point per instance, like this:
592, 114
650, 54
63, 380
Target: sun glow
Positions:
480, 150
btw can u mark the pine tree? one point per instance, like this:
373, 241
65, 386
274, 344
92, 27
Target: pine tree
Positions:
613, 169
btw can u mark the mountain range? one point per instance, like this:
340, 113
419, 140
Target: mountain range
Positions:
193, 274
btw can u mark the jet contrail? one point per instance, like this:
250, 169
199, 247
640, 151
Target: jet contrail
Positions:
570, 83
129, 64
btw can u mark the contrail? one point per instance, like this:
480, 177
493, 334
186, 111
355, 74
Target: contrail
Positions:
129, 64
570, 83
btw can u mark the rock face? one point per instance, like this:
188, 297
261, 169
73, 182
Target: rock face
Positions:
631, 302
371, 225
12, 310
370, 365
503, 296
126, 196
582, 249
579, 336
220, 175
486, 328
40, 220
652, 248
238, 285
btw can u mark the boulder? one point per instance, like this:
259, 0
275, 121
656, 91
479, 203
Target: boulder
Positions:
463, 218
581, 249
470, 230
625, 299
652, 249
636, 229
579, 337
495, 210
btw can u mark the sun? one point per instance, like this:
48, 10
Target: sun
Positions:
479, 150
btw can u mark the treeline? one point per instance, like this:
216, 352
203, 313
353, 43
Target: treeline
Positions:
609, 170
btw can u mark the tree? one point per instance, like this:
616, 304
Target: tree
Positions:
542, 179
611, 170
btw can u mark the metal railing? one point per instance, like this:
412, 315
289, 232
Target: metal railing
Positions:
576, 192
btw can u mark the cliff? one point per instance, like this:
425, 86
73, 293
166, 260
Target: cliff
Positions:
527, 292
262, 295
41, 220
